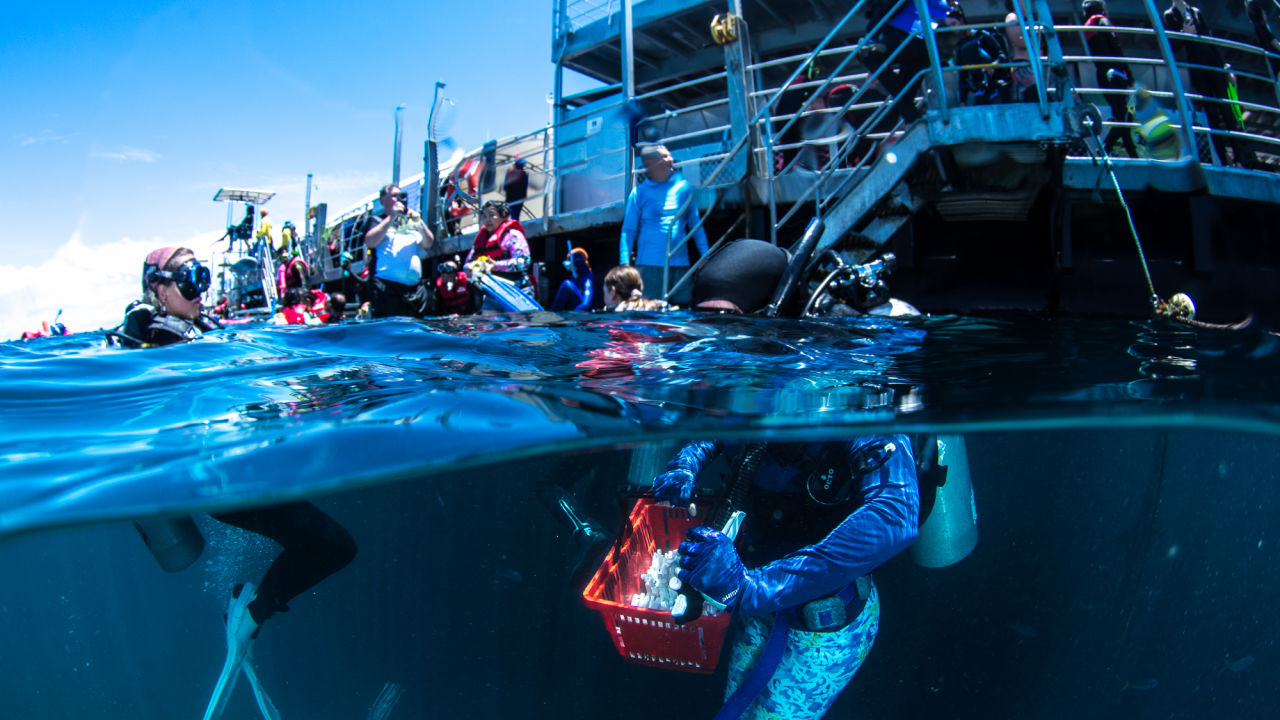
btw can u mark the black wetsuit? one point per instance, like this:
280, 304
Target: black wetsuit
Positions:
314, 546
145, 326
1208, 79
1112, 75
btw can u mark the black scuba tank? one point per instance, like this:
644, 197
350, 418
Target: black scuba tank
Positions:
175, 542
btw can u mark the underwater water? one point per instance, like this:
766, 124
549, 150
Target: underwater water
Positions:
1124, 475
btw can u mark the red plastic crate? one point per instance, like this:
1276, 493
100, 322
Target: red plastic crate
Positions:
645, 636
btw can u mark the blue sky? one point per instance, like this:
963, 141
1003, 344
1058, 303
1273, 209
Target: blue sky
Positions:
123, 119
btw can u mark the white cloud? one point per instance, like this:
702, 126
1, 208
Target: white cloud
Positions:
45, 136
130, 154
91, 285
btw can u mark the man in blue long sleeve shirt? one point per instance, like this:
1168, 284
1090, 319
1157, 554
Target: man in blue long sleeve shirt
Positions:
821, 517
653, 220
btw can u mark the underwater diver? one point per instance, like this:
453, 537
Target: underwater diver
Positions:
575, 292
314, 546
820, 518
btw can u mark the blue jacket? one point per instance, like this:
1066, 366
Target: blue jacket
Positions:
879, 520
652, 213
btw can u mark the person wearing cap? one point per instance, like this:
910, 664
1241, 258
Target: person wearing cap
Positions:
170, 310
660, 212
400, 238
575, 293
288, 238
740, 278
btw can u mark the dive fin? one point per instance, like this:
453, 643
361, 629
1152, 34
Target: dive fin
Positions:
268, 708
240, 632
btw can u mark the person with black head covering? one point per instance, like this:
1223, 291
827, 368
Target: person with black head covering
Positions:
740, 278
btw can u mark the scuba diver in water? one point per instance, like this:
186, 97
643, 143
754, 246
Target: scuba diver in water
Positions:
821, 517
170, 310
314, 546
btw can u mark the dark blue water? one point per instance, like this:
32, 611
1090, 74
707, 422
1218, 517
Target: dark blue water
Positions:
1124, 474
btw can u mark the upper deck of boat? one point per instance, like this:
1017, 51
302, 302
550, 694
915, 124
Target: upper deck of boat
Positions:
743, 108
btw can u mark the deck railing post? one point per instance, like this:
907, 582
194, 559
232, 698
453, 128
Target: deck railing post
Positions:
1166, 51
935, 64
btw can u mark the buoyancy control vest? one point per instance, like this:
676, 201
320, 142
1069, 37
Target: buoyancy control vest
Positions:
146, 326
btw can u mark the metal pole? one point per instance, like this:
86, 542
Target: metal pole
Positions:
431, 171
931, 43
628, 89
561, 40
395, 160
306, 211
1166, 51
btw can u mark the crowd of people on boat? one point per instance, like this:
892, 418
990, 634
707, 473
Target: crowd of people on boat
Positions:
992, 63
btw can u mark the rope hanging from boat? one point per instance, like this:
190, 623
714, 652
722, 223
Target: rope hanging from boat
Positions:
1180, 307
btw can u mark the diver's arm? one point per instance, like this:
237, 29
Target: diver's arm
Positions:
881, 527
427, 237
692, 220
585, 303
677, 484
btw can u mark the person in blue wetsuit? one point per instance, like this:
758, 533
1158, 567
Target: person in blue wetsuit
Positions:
653, 217
820, 518
575, 293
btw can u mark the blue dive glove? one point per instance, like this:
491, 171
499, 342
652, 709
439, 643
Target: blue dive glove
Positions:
710, 563
678, 483
675, 486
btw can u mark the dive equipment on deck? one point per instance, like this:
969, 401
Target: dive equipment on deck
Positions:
175, 542
950, 532
505, 293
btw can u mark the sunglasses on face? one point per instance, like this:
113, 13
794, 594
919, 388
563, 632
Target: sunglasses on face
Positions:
191, 279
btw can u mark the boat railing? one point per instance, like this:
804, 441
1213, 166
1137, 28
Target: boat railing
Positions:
745, 143
837, 144
1257, 100
798, 154
570, 15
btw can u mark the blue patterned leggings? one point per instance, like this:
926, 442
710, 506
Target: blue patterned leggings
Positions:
815, 667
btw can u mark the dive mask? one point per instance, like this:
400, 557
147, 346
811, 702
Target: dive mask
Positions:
191, 279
